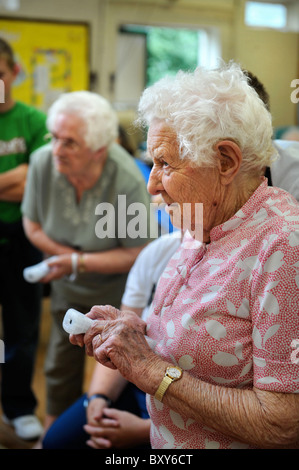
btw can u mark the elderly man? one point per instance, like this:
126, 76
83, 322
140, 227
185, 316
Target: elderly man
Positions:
73, 193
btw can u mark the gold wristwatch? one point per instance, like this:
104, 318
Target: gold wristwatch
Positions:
171, 374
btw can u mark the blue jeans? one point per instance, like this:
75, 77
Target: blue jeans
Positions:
67, 431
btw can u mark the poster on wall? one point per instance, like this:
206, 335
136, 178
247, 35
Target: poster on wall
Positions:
53, 59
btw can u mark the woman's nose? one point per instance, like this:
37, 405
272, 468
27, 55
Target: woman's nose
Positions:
154, 185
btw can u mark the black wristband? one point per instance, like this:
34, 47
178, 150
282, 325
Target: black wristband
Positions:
96, 395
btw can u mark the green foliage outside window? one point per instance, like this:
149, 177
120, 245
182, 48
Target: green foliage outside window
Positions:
170, 50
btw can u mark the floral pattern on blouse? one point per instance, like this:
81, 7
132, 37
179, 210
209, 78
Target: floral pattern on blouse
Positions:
227, 312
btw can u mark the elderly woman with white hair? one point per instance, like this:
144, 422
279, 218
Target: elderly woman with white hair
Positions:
71, 212
223, 373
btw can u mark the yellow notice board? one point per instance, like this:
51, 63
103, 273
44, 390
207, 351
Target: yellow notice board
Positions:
53, 59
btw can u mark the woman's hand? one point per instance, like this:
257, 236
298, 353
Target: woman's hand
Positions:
117, 340
94, 411
108, 320
119, 429
60, 266
97, 312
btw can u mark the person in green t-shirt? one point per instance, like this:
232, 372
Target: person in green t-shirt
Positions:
22, 130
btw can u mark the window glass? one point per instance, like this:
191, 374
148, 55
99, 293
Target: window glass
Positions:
271, 15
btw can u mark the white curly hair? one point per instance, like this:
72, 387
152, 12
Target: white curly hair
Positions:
100, 122
207, 106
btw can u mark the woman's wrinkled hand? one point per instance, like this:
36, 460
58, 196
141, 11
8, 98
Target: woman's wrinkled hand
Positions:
117, 340
102, 313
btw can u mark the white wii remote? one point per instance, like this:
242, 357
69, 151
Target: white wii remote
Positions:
76, 323
38, 271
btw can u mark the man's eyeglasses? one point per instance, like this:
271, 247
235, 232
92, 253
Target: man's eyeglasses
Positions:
68, 144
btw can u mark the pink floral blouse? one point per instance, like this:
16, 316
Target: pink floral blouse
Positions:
227, 312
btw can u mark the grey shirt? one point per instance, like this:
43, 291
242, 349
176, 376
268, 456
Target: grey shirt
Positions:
50, 200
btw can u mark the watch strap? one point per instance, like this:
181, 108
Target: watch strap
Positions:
163, 387
97, 395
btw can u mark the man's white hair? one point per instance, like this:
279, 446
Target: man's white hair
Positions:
207, 106
100, 122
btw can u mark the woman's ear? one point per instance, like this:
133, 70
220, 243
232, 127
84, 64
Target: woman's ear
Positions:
100, 153
229, 159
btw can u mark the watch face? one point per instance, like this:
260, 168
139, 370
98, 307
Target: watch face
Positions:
174, 372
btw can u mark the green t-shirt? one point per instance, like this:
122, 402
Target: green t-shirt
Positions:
22, 130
